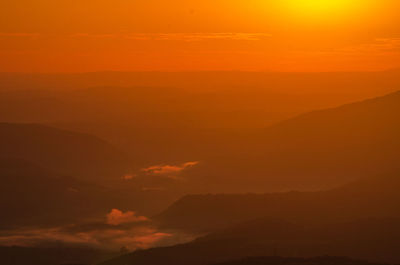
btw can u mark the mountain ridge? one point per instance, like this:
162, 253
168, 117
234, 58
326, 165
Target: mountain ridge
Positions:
358, 199
63, 151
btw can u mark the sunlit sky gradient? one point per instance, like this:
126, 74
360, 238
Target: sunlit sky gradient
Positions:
186, 35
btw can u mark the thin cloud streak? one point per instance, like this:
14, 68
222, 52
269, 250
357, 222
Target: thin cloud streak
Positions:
186, 37
168, 170
18, 34
377, 46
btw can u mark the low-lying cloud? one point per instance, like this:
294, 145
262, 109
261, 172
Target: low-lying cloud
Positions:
117, 217
169, 170
111, 238
121, 229
128, 176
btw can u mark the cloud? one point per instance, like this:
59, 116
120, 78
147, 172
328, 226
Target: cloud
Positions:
169, 170
153, 189
99, 36
128, 177
386, 44
377, 46
38, 237
108, 238
117, 217
192, 37
144, 240
119, 230
186, 37
74, 190
18, 34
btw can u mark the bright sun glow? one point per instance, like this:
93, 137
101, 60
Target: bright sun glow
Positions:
330, 10
320, 6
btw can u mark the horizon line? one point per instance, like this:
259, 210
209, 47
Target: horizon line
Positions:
200, 71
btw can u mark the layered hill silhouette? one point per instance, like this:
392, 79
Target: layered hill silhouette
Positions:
33, 196
357, 139
52, 176
371, 197
357, 81
344, 161
356, 143
65, 152
314, 151
358, 220
291, 261
374, 240
219, 124
173, 117
51, 256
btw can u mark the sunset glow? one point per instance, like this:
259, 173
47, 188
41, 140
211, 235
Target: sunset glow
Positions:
256, 35
199, 132
325, 8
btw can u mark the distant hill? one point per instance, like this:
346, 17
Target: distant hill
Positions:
358, 220
375, 240
357, 140
65, 152
51, 256
31, 195
172, 117
369, 197
340, 82
226, 120
314, 151
325, 260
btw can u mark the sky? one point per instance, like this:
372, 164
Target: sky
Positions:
199, 35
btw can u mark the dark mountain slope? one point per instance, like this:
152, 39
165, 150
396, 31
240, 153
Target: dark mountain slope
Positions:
170, 117
314, 151
359, 220
65, 152
329, 146
325, 260
369, 197
217, 123
50, 256
30, 195
375, 240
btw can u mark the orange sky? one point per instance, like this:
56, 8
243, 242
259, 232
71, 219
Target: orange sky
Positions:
183, 35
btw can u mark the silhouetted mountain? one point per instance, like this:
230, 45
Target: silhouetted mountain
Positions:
314, 151
329, 82
365, 198
317, 150
51, 256
65, 152
375, 240
173, 117
216, 118
325, 260
355, 140
30, 195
